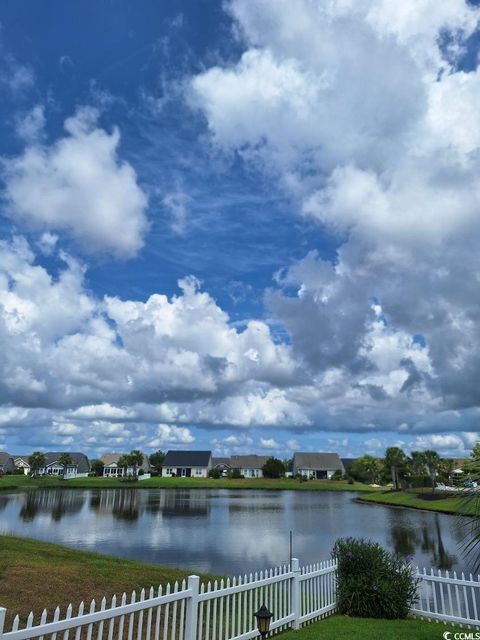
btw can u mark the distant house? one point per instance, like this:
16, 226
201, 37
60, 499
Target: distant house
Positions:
319, 466
249, 466
222, 464
112, 470
187, 464
79, 468
21, 462
6, 462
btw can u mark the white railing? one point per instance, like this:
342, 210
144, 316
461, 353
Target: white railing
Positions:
448, 598
222, 610
225, 609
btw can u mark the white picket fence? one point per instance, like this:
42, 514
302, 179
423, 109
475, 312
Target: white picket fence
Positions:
444, 596
222, 610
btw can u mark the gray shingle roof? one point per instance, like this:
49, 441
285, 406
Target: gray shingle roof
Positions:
248, 462
317, 461
226, 462
79, 459
6, 461
187, 459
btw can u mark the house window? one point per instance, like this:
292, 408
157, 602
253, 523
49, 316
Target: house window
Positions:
169, 472
198, 471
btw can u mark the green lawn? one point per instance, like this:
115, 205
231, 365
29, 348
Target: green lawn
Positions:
344, 628
37, 575
14, 483
421, 499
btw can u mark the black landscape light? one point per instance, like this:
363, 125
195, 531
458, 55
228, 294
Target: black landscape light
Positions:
263, 617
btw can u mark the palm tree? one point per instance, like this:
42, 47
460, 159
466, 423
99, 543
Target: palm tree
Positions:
373, 467
65, 460
37, 461
417, 463
433, 463
135, 458
394, 459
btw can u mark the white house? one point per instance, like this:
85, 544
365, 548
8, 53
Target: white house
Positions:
21, 462
79, 468
319, 466
112, 470
249, 466
187, 464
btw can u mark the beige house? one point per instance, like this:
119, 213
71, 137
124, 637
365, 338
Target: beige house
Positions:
112, 470
317, 466
249, 466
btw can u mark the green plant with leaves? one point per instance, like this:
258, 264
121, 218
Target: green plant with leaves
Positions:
65, 460
215, 473
273, 468
433, 463
371, 581
156, 460
96, 467
37, 461
395, 460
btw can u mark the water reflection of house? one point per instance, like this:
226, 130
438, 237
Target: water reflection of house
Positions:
57, 503
185, 504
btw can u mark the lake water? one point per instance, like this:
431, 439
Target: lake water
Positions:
226, 532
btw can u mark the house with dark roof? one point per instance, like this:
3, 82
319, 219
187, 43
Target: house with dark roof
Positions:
187, 464
6, 463
318, 466
79, 467
250, 466
112, 470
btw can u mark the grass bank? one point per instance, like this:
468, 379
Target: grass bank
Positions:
19, 483
345, 628
37, 575
441, 502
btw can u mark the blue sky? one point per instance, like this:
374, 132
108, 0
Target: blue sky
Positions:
315, 197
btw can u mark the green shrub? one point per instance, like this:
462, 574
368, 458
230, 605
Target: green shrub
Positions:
235, 474
214, 473
350, 480
337, 475
372, 582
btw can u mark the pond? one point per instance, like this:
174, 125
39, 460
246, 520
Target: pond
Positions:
226, 531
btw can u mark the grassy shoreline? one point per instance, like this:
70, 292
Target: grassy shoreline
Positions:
447, 503
22, 483
35, 575
27, 566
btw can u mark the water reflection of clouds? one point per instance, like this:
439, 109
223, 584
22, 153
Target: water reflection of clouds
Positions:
224, 531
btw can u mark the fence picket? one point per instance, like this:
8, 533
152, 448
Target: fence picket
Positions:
224, 610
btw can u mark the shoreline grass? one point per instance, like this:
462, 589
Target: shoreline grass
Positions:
22, 483
421, 499
35, 575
